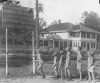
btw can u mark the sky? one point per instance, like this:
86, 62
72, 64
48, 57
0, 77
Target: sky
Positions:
64, 10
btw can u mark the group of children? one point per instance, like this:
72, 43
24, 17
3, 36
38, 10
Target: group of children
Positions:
64, 64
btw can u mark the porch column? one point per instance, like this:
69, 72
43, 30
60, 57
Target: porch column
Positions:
53, 44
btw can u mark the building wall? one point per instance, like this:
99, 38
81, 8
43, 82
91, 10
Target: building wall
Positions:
77, 41
63, 35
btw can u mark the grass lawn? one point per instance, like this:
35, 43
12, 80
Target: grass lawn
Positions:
23, 67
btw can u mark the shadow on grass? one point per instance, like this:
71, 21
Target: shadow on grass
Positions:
15, 61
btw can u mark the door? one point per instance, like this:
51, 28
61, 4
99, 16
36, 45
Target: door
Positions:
61, 45
88, 46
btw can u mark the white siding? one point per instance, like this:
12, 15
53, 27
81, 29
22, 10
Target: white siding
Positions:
63, 35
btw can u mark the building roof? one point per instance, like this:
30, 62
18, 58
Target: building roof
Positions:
60, 27
53, 37
83, 28
63, 27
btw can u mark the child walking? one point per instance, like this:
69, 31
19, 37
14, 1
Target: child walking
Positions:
79, 62
91, 65
68, 63
40, 64
55, 64
61, 63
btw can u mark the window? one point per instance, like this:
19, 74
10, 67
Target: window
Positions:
65, 44
88, 35
71, 33
91, 44
40, 43
45, 43
10, 41
94, 45
76, 44
77, 34
16, 42
93, 35
83, 34
56, 43
84, 44
73, 44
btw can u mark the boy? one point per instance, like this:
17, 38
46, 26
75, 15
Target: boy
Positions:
61, 63
41, 63
68, 63
91, 65
79, 62
55, 64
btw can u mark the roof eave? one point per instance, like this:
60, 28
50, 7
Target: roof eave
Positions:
59, 31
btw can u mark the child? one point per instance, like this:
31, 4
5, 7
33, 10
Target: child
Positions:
61, 63
79, 62
55, 64
41, 63
91, 62
68, 63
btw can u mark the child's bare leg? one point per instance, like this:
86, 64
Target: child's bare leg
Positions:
68, 72
89, 76
80, 72
56, 73
93, 77
42, 73
61, 73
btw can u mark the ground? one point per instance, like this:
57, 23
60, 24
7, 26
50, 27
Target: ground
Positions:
38, 80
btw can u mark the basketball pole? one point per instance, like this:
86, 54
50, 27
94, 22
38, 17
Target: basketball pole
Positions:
33, 55
37, 25
6, 37
6, 51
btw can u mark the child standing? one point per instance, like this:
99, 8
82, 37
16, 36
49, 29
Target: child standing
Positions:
79, 62
68, 63
61, 63
91, 65
41, 63
55, 64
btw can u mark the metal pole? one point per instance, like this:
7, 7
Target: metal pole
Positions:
6, 51
33, 55
37, 25
6, 36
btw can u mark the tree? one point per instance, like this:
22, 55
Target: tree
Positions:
55, 22
12, 2
24, 34
91, 20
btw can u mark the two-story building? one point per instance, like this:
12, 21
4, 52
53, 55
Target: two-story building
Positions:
61, 35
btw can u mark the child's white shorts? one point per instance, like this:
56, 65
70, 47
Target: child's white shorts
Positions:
90, 69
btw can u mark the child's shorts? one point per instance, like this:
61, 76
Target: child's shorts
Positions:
56, 67
67, 64
41, 63
90, 69
62, 65
79, 65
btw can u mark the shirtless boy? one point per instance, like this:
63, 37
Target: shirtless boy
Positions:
41, 63
91, 65
68, 63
